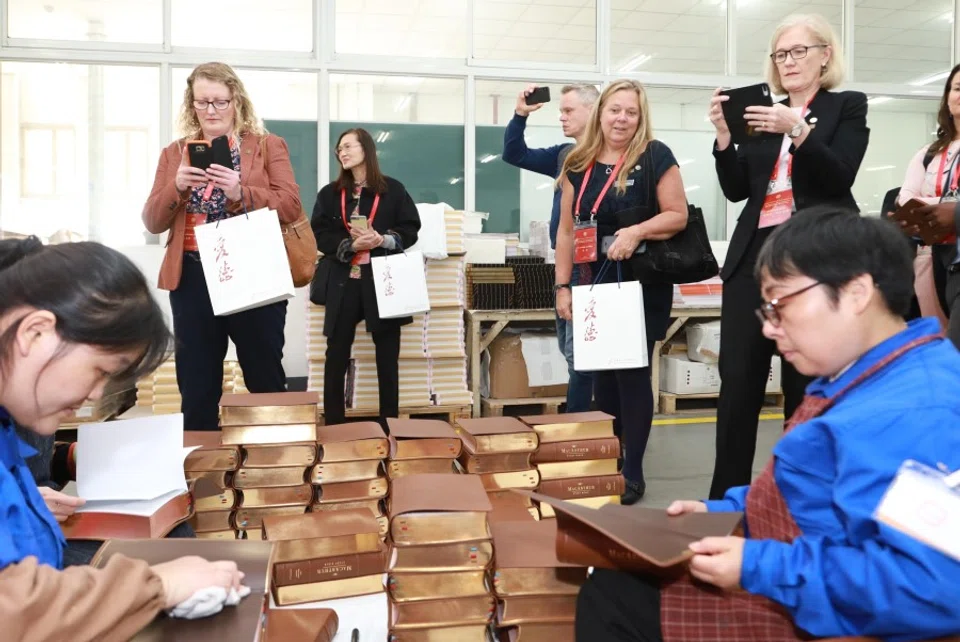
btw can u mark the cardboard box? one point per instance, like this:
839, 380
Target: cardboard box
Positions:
681, 376
703, 342
508, 372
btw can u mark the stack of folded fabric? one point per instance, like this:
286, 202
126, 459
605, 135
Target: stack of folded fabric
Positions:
420, 446
278, 441
349, 473
536, 593
441, 555
325, 556
577, 459
498, 450
210, 469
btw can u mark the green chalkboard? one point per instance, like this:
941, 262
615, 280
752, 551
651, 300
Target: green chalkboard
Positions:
301, 137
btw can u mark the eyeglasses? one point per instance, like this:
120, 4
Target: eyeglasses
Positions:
770, 311
219, 105
346, 147
797, 53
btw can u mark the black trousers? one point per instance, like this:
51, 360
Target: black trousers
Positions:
628, 396
201, 345
614, 606
339, 343
745, 356
79, 552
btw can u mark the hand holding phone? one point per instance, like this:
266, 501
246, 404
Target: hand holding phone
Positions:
189, 176
200, 153
531, 99
735, 107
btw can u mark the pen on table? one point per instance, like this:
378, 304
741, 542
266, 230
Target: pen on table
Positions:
355, 636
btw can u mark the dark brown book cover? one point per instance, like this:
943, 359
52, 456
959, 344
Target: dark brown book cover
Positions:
301, 495
491, 435
632, 538
423, 439
578, 487
328, 569
252, 518
536, 609
576, 450
439, 613
103, 526
498, 463
269, 477
202, 438
559, 632
352, 491
279, 455
510, 507
404, 467
240, 622
423, 493
352, 442
300, 625
527, 544
212, 521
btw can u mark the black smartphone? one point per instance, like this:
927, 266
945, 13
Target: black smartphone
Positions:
734, 109
200, 154
220, 147
538, 96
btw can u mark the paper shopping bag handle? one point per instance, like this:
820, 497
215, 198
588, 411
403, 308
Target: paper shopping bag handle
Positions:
243, 204
603, 270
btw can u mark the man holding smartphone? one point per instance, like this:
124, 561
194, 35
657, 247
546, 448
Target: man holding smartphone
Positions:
576, 104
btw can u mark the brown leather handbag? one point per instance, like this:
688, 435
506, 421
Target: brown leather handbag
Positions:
301, 246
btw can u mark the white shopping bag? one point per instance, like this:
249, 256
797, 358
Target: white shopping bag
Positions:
401, 285
244, 262
609, 330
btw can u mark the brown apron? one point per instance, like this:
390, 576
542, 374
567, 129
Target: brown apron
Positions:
691, 611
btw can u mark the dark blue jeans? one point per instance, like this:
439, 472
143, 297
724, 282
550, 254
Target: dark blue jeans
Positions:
580, 387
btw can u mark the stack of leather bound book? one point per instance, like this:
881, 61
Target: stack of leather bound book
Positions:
498, 450
422, 446
277, 436
209, 469
577, 459
442, 551
536, 592
349, 473
325, 556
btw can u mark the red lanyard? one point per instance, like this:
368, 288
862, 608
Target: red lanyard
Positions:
343, 208
954, 174
776, 167
603, 192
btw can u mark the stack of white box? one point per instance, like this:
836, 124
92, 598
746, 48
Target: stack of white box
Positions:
316, 348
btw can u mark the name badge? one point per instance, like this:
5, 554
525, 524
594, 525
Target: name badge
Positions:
924, 503
629, 182
585, 242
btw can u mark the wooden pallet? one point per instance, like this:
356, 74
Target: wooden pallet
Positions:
543, 405
449, 414
668, 400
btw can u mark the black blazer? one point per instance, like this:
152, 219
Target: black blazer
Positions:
397, 215
824, 167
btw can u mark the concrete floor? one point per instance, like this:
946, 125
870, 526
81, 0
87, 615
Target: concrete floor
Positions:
679, 459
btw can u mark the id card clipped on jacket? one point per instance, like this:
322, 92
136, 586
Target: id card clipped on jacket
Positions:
585, 242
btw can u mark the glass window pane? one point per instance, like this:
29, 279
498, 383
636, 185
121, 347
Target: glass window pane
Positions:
898, 129
420, 28
902, 43
756, 20
96, 159
555, 31
686, 36
87, 20
277, 25
417, 124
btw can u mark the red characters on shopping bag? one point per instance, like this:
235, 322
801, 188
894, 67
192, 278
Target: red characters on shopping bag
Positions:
388, 289
590, 319
224, 271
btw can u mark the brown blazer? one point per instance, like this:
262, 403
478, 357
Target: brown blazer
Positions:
266, 180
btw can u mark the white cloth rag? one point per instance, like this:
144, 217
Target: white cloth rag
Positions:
207, 602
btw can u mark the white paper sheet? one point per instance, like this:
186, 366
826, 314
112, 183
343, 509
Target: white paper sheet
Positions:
142, 507
135, 459
485, 250
369, 614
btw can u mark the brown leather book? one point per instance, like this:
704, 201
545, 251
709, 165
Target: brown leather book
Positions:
301, 495
578, 487
212, 521
331, 590
441, 613
412, 587
499, 463
321, 535
352, 442
404, 467
221, 479
505, 481
438, 509
268, 477
560, 632
605, 448
632, 538
469, 633
279, 456
330, 568
269, 434
208, 496
514, 611
494, 435
248, 518
202, 438
103, 526
375, 506
302, 625
269, 409
212, 458
219, 535
346, 471
459, 556
527, 564
547, 512
423, 439
240, 622
352, 491
573, 426
511, 507
583, 468
251, 533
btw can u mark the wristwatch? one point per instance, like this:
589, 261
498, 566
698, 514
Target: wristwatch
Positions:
796, 130
560, 286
